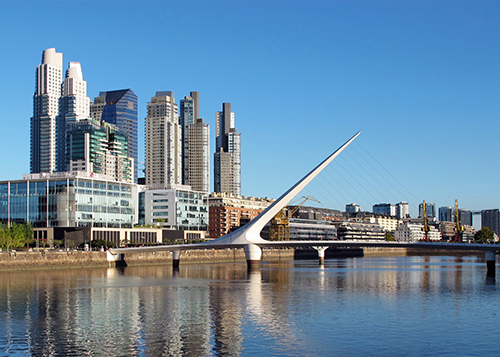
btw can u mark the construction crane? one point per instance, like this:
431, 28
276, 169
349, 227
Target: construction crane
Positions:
459, 229
280, 224
426, 227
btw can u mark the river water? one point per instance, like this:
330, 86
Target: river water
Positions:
371, 306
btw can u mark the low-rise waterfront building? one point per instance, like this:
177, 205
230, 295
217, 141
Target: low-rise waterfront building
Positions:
414, 232
175, 207
353, 230
227, 211
68, 200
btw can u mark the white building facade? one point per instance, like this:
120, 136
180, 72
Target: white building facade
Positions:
163, 142
176, 207
46, 98
413, 232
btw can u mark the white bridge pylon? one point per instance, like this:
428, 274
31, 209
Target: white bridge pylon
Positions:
248, 236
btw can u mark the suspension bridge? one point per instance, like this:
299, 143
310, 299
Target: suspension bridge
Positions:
248, 237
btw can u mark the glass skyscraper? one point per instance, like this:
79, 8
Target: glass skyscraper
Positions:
119, 107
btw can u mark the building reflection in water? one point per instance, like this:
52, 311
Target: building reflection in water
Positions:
218, 309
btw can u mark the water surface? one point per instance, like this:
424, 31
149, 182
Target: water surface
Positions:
372, 306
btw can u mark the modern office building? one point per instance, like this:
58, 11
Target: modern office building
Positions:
119, 107
227, 157
352, 207
74, 106
491, 218
63, 199
384, 208
176, 207
431, 212
97, 147
163, 142
43, 131
446, 214
402, 210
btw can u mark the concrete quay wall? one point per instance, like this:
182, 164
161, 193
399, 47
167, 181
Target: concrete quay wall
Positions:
51, 259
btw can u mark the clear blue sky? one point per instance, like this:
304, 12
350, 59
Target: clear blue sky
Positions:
421, 80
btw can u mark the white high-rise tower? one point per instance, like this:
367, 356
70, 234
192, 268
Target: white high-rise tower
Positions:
43, 130
74, 106
163, 141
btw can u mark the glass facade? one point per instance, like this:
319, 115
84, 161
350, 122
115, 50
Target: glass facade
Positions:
119, 107
68, 202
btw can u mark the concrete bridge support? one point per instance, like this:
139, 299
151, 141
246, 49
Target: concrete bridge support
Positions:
321, 254
490, 262
253, 253
176, 259
115, 260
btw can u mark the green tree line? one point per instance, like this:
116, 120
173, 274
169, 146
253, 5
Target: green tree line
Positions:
15, 236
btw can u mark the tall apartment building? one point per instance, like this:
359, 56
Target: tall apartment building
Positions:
43, 131
491, 218
119, 107
198, 169
100, 148
402, 210
446, 214
195, 144
227, 157
74, 106
431, 212
163, 141
384, 208
465, 217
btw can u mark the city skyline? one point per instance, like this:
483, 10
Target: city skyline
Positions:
419, 79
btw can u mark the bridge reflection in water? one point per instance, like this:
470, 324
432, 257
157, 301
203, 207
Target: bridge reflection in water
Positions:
346, 307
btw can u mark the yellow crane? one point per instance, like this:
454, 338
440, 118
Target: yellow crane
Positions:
426, 227
458, 225
280, 224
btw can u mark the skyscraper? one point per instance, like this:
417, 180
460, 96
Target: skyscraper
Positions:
431, 213
491, 218
195, 144
119, 107
198, 176
446, 214
188, 113
402, 210
163, 141
43, 131
74, 106
227, 157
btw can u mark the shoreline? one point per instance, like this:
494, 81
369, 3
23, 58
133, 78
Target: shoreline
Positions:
93, 259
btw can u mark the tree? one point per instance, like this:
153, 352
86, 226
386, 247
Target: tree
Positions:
15, 236
389, 237
484, 235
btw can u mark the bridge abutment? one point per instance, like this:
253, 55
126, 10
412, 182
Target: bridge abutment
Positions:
253, 253
490, 262
115, 260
